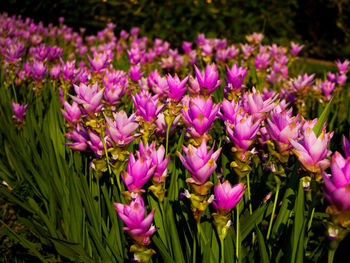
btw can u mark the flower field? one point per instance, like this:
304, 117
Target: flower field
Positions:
116, 147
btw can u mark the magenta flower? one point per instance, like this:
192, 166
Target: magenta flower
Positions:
39, 70
295, 48
138, 226
147, 105
89, 97
96, 145
283, 127
157, 157
79, 137
257, 106
160, 131
337, 187
121, 127
176, 87
209, 79
229, 110
138, 172
55, 71
199, 115
72, 113
19, 111
327, 88
135, 72
68, 69
186, 46
199, 162
242, 131
226, 197
343, 66
234, 77
13, 51
312, 151
99, 62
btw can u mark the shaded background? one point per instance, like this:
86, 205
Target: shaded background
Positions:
322, 26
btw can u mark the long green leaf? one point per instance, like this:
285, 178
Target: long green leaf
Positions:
322, 119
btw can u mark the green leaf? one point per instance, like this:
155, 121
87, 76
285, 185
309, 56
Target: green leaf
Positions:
262, 247
73, 251
322, 119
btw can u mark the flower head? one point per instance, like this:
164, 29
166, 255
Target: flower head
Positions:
226, 197
72, 112
147, 105
337, 187
176, 87
199, 162
209, 79
89, 97
138, 226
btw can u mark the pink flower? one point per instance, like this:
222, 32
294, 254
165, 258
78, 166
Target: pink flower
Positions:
157, 157
343, 66
209, 79
257, 106
229, 110
138, 172
242, 131
283, 127
199, 162
79, 137
138, 226
99, 62
312, 151
147, 105
346, 144
176, 87
120, 128
234, 77
135, 72
19, 111
72, 113
337, 187
89, 97
199, 115
226, 197
295, 48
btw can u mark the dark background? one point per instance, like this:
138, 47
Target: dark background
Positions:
323, 25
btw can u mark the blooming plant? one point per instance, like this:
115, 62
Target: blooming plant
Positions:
92, 121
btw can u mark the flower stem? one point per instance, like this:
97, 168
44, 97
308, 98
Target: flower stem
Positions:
222, 248
14, 91
273, 211
238, 241
250, 203
167, 138
331, 253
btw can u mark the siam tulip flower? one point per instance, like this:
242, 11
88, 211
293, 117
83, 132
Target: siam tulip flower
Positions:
135, 54
68, 69
207, 49
55, 71
262, 60
209, 79
257, 106
80, 138
331, 77
158, 84
254, 38
89, 97
232, 51
72, 113
199, 162
226, 197
38, 70
301, 83
19, 111
200, 40
157, 157
312, 151
114, 92
229, 110
247, 50
295, 49
283, 127
242, 131
176, 87
138, 226
343, 67
160, 130
341, 79
99, 62
138, 172
134, 31
134, 72
234, 77
199, 115
327, 88
194, 88
96, 145
13, 51
147, 105
186, 46
221, 55
120, 128
337, 187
